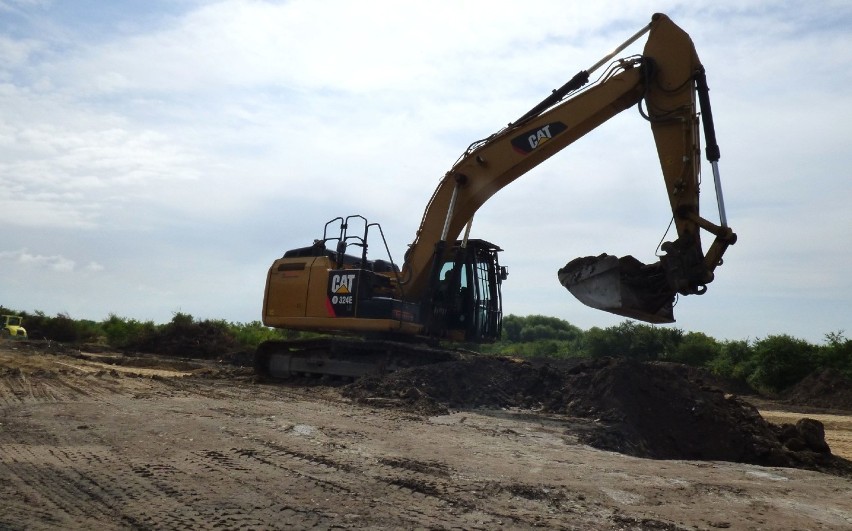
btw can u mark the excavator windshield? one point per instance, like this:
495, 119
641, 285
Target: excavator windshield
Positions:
467, 298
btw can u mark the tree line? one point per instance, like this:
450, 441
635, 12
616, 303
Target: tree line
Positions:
769, 364
183, 336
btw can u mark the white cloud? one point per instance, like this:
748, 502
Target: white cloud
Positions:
94, 267
15, 53
26, 259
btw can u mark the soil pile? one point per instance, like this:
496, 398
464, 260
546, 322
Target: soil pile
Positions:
642, 409
702, 376
827, 388
479, 382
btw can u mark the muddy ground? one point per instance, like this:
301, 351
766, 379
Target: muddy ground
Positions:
113, 442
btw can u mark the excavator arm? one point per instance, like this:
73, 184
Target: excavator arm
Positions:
663, 82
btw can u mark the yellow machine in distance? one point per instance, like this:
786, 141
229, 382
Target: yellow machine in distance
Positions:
13, 326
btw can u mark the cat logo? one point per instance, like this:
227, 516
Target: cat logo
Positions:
342, 287
342, 284
526, 142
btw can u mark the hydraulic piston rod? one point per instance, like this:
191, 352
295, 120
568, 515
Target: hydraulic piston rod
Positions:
712, 149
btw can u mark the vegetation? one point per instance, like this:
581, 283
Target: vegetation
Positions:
183, 336
769, 364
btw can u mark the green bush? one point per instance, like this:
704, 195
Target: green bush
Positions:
184, 336
836, 353
631, 340
536, 336
695, 349
250, 335
780, 361
122, 333
538, 327
550, 348
735, 360
60, 328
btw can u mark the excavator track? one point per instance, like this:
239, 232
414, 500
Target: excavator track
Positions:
342, 357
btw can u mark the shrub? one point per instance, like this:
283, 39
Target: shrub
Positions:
631, 340
250, 335
60, 328
735, 360
780, 361
695, 349
836, 353
538, 327
122, 333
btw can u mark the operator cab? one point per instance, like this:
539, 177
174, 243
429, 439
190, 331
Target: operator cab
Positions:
466, 301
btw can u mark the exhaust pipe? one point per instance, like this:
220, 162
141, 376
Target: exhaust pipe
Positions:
623, 286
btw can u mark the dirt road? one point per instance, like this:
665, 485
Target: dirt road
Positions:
89, 445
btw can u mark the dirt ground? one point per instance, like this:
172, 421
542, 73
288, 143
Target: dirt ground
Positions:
101, 441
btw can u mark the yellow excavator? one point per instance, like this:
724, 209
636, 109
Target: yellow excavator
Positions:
448, 287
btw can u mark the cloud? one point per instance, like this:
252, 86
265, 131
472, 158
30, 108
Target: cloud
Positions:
67, 164
94, 267
37, 261
16, 52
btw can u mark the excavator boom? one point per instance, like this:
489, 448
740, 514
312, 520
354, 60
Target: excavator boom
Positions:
664, 79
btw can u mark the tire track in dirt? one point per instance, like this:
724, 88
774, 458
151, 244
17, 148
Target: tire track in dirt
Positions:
388, 494
21, 389
397, 479
90, 489
390, 483
312, 471
196, 504
72, 484
279, 500
51, 487
83, 487
61, 487
51, 482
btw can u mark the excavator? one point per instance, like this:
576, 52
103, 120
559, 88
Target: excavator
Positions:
373, 315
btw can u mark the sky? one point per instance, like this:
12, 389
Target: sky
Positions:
156, 156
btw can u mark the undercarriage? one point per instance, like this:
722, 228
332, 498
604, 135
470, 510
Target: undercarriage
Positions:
344, 357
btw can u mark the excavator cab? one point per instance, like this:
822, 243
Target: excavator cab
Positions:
466, 299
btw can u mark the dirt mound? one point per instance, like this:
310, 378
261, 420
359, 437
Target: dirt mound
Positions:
702, 376
473, 383
827, 388
642, 409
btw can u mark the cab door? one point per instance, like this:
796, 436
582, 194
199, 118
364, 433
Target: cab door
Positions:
486, 310
467, 298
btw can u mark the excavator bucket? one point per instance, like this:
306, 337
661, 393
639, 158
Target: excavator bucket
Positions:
623, 286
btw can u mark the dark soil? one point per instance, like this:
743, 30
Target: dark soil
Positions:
827, 388
655, 410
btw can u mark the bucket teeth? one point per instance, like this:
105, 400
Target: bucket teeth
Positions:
623, 286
